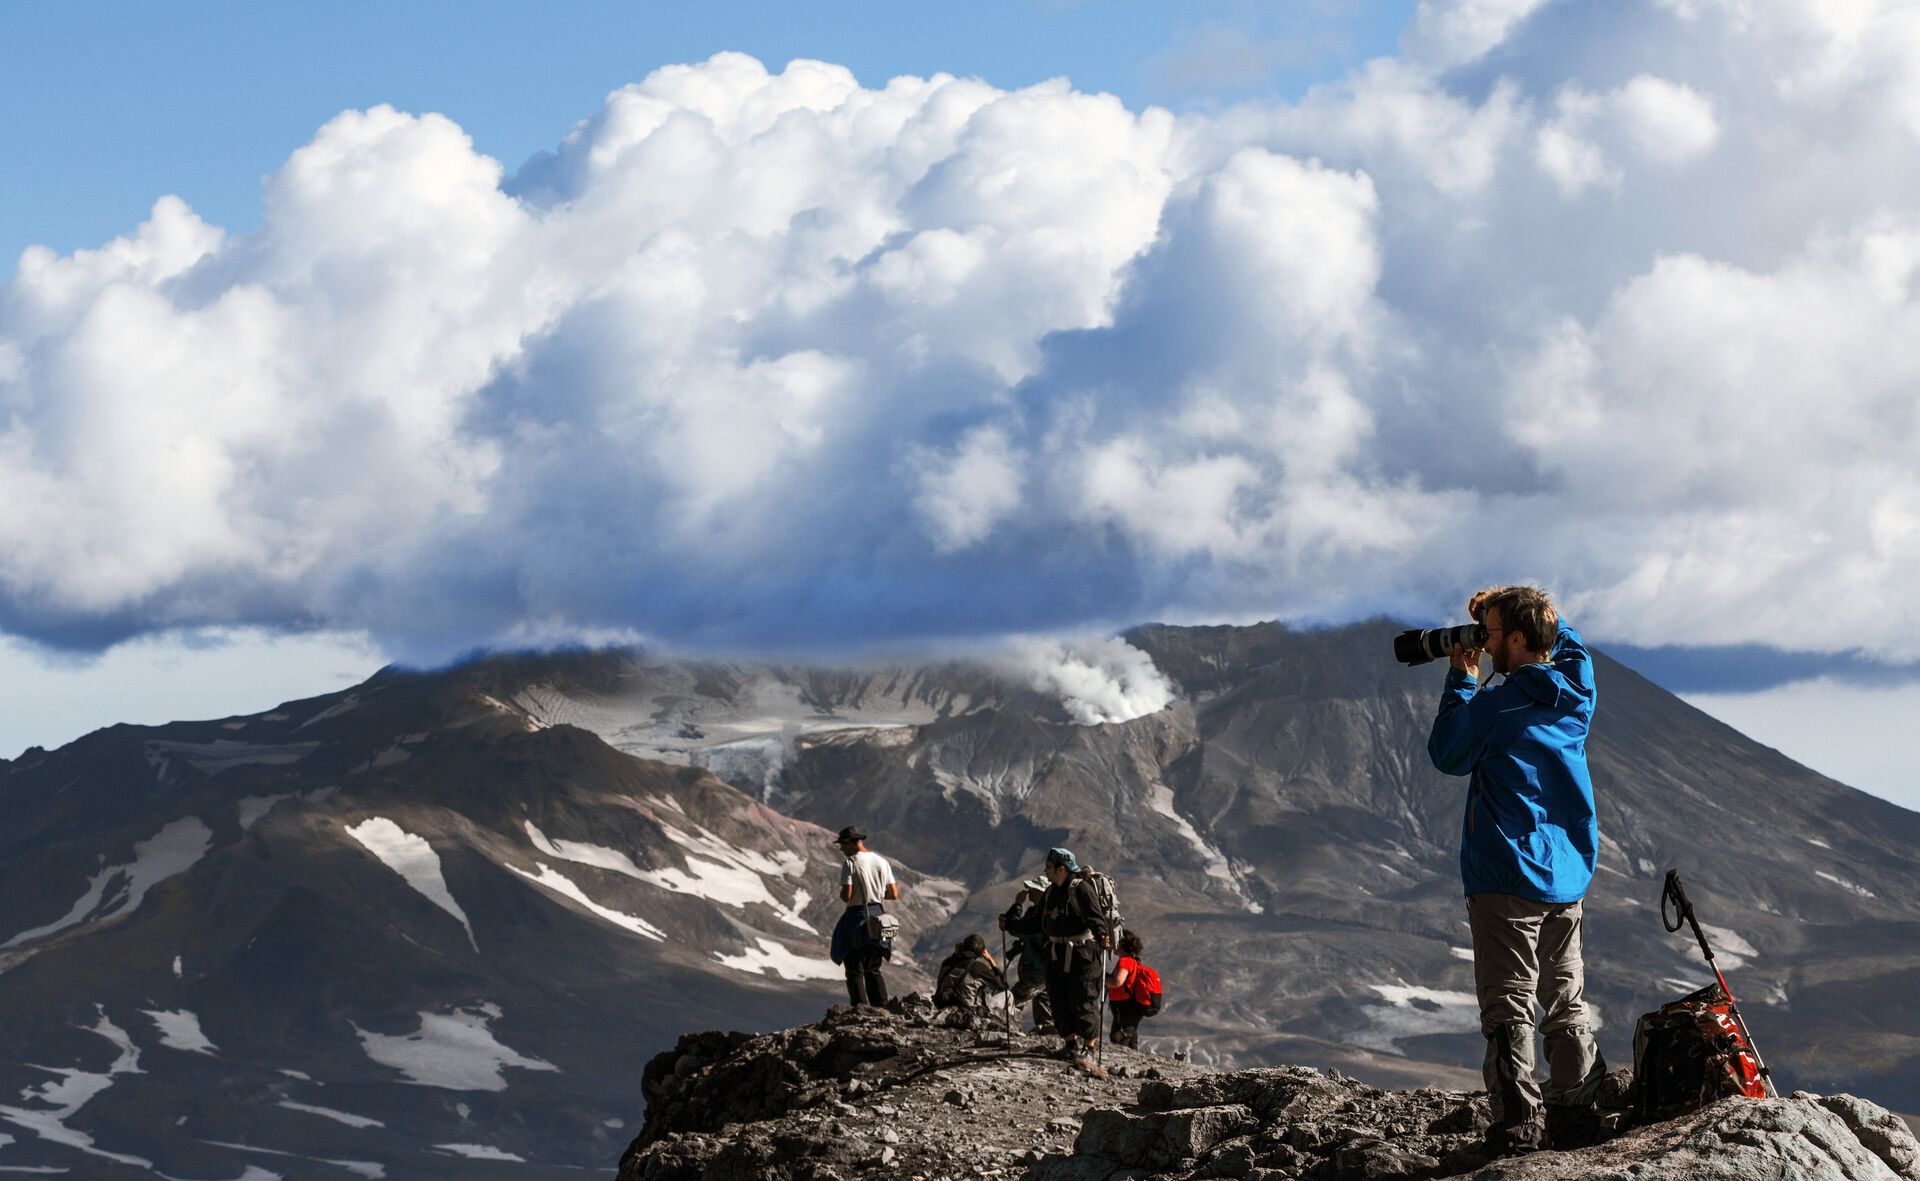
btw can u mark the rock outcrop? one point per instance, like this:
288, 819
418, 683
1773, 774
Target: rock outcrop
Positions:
896, 1094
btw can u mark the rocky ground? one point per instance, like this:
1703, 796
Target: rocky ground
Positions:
896, 1094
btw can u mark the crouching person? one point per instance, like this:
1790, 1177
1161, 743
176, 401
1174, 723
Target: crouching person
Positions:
965, 979
1527, 851
866, 881
1077, 939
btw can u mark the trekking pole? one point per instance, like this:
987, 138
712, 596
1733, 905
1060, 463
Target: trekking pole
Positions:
1006, 994
1675, 894
1100, 1029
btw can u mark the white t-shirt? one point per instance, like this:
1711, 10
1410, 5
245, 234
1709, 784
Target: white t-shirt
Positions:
869, 875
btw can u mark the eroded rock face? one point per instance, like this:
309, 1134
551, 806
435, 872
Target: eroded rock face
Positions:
895, 1094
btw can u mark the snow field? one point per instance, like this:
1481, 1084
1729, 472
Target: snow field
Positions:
74, 1089
768, 956
180, 1030
171, 851
455, 1051
414, 860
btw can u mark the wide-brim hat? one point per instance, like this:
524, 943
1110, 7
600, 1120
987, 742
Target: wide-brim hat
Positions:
849, 833
1034, 884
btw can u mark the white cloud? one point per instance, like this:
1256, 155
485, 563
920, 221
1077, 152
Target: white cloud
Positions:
1454, 32
1663, 123
1097, 679
965, 494
762, 358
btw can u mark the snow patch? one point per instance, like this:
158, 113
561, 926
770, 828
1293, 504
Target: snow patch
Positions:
769, 956
252, 808
179, 969
343, 1117
455, 1051
479, 1152
561, 884
368, 1169
1412, 1011
345, 705
211, 758
1160, 799
414, 860
720, 873
180, 1030
1729, 948
1843, 883
117, 890
1461, 953
1817, 842
74, 1090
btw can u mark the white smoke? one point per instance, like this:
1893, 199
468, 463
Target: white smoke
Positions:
1097, 678
1614, 295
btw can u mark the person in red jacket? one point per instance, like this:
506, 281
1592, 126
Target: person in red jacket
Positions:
1123, 991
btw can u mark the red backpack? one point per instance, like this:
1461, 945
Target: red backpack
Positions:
1145, 987
1691, 1052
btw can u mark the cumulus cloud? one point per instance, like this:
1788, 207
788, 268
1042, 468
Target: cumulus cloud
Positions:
760, 358
1662, 122
1097, 678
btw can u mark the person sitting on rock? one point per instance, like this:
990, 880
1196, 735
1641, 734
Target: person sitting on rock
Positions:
1122, 992
965, 978
1077, 939
866, 880
1029, 951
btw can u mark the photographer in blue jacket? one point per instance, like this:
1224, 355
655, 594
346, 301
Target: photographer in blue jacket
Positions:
1527, 850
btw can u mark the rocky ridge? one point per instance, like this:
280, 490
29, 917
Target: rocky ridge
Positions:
898, 1094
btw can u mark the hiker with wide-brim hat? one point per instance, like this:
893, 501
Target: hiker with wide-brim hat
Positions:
1029, 951
1077, 938
866, 882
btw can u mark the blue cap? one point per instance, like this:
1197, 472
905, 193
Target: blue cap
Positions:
1064, 857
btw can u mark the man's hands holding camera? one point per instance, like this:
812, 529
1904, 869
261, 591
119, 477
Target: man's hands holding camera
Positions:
1467, 660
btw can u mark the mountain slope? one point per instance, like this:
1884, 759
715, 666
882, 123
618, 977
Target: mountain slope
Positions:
452, 908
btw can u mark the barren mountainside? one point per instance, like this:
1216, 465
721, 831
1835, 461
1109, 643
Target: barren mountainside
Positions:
434, 922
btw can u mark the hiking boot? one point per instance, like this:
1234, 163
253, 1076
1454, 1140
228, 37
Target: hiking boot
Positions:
1574, 1126
1513, 1140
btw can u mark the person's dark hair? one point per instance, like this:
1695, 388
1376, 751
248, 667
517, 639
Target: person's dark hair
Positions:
971, 945
1528, 611
1133, 945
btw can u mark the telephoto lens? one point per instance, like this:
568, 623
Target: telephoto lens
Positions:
1415, 647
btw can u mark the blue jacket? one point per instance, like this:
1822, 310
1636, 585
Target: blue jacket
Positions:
1529, 828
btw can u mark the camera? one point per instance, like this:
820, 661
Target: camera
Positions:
1418, 647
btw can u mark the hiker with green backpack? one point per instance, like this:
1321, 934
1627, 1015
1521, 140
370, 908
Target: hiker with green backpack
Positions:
1077, 919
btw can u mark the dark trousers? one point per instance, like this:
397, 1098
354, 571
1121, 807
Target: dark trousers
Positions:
1126, 1022
1073, 985
864, 985
1031, 988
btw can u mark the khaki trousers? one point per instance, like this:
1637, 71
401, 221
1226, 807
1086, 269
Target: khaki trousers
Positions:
1523, 951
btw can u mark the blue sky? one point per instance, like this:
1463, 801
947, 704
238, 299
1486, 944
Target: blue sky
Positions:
108, 105
349, 333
